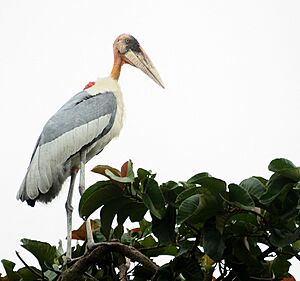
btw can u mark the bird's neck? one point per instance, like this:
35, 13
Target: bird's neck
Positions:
116, 70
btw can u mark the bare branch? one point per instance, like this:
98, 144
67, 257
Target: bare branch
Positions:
77, 270
123, 270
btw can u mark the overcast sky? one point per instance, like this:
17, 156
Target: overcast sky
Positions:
231, 103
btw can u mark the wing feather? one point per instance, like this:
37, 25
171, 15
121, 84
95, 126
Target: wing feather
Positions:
82, 120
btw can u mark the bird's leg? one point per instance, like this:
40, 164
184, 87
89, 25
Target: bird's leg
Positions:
89, 232
69, 210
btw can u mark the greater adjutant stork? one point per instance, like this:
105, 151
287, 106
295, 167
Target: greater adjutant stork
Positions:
79, 130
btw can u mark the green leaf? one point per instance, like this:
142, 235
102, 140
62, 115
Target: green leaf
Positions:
145, 227
96, 196
188, 267
148, 242
44, 252
188, 208
283, 237
213, 184
253, 186
280, 267
213, 243
186, 193
279, 164
285, 168
138, 213
164, 229
160, 250
199, 207
118, 231
240, 197
296, 245
171, 185
170, 191
143, 174
153, 198
9, 269
28, 275
164, 273
275, 187
134, 210
245, 217
196, 178
109, 211
141, 273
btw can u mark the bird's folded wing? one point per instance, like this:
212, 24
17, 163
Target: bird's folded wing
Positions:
81, 121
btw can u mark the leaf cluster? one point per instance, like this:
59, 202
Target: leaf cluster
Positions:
248, 231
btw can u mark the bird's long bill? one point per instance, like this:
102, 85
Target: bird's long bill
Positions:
142, 62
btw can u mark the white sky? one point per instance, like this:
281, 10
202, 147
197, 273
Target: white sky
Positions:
231, 103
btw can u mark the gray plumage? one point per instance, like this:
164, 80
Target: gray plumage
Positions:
80, 123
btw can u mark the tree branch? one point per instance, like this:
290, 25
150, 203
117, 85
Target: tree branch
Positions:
77, 270
123, 270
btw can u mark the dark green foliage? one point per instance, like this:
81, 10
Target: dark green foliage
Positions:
247, 230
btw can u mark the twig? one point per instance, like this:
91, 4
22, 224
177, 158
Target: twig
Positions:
266, 252
29, 268
123, 270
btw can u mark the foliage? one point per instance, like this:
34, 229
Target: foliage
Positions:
247, 231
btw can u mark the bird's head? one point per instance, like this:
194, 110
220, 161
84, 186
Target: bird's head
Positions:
128, 50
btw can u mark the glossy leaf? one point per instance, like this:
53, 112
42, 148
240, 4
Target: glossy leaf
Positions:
153, 198
186, 194
164, 229
44, 252
213, 245
134, 210
160, 250
275, 187
96, 196
164, 273
213, 184
283, 237
254, 187
240, 197
188, 267
280, 267
148, 242
285, 168
196, 178
109, 211
279, 164
9, 269
27, 274
199, 207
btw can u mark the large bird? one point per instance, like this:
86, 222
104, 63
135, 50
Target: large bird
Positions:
79, 130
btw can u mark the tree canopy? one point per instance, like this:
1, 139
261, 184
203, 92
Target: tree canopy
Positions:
245, 231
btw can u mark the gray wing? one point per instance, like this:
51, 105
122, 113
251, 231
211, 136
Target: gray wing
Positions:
82, 120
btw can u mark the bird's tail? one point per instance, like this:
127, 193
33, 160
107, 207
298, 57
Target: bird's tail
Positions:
30, 192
